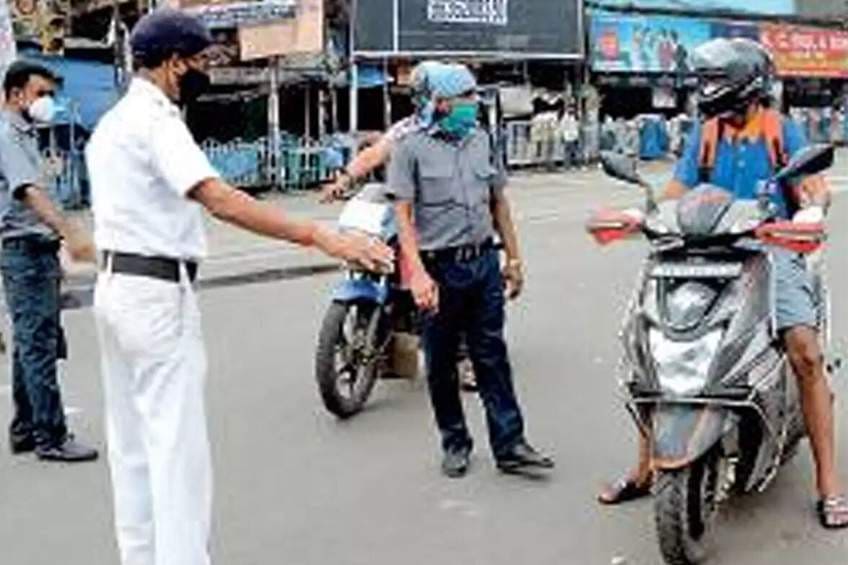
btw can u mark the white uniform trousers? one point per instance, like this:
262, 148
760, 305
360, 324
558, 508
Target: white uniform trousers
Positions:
154, 369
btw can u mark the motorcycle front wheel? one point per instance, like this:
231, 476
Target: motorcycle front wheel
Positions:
685, 507
347, 359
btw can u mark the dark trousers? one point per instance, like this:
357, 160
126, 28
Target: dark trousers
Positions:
31, 279
471, 301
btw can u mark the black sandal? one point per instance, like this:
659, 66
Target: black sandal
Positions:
833, 512
625, 490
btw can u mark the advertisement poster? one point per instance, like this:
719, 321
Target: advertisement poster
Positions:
807, 52
646, 44
767, 7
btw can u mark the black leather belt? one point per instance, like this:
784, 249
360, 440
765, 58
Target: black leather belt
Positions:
459, 254
162, 268
34, 244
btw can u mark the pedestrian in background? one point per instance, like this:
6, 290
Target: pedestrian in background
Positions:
32, 229
450, 205
150, 181
569, 129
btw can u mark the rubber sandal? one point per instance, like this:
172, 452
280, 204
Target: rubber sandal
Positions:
625, 490
833, 512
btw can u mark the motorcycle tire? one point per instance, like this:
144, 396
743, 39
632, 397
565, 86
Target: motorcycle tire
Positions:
685, 506
345, 387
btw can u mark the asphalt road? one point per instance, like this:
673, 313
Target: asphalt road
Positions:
296, 487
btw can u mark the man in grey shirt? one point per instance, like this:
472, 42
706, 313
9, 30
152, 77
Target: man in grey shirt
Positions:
31, 229
450, 205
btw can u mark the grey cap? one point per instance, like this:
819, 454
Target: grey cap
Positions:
165, 31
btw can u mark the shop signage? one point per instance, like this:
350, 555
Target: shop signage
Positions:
492, 12
806, 51
303, 33
234, 13
769, 7
519, 28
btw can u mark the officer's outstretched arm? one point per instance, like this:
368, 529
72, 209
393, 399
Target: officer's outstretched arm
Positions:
235, 207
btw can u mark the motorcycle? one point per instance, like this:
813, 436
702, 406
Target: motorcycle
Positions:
705, 374
371, 328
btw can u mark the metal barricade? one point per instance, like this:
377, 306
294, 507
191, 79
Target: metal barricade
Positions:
522, 150
240, 163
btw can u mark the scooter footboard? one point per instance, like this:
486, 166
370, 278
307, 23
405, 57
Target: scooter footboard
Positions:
682, 433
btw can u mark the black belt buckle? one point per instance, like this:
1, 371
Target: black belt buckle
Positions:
459, 254
161, 268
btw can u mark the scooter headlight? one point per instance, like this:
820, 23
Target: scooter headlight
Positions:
683, 367
687, 305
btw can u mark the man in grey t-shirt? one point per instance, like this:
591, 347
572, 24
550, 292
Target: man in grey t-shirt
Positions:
31, 229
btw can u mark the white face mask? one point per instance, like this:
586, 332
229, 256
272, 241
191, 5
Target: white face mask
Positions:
43, 110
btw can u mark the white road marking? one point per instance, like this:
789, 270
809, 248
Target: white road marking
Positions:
5, 390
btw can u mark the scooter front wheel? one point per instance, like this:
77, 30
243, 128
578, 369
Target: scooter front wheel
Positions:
347, 357
685, 506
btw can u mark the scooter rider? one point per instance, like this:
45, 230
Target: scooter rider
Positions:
742, 142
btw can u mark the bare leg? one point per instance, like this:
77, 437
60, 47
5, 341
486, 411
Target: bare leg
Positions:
636, 483
816, 402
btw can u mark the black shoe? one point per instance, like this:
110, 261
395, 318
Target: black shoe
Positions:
522, 456
455, 462
20, 444
69, 451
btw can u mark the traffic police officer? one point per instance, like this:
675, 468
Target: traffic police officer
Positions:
31, 228
450, 203
149, 181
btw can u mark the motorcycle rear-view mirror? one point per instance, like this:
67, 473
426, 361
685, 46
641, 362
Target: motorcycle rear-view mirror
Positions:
621, 167
808, 161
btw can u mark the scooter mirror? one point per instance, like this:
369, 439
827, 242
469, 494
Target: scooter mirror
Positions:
808, 161
621, 167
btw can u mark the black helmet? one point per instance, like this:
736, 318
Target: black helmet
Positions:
733, 73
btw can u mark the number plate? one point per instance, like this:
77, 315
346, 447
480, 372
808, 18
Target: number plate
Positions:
704, 271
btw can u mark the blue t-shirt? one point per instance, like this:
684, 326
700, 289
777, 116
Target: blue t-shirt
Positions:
739, 166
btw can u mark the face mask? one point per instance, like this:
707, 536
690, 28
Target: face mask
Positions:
192, 84
42, 110
461, 120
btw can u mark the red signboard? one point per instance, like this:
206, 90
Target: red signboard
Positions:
807, 51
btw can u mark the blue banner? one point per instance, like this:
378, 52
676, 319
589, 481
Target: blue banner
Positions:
769, 7
645, 44
655, 44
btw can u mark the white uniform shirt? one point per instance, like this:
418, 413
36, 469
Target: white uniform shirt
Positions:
142, 162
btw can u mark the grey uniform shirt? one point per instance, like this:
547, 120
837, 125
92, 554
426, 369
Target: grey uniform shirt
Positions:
450, 185
20, 165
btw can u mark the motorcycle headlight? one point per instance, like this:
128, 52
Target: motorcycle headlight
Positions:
687, 305
683, 367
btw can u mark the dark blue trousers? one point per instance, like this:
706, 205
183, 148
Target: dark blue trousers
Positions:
31, 279
471, 301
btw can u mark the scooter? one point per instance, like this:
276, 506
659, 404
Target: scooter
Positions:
706, 376
371, 328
